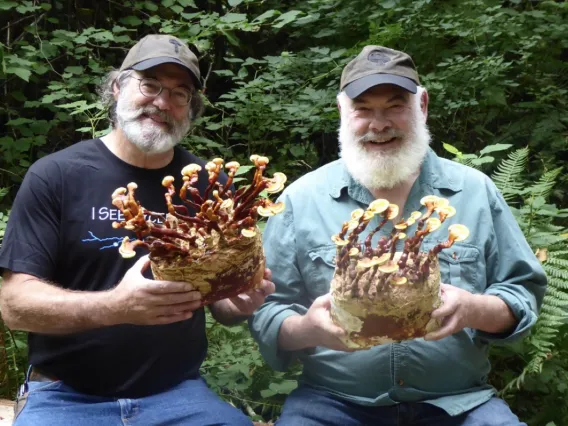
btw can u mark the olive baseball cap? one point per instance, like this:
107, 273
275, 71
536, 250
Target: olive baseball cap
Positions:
156, 49
378, 65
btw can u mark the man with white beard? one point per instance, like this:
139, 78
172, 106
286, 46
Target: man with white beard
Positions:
107, 343
492, 284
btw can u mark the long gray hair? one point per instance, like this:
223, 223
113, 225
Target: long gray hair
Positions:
106, 94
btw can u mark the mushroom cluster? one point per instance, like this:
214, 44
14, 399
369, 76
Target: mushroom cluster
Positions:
381, 295
219, 248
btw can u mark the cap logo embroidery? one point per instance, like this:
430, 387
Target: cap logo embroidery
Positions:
377, 57
176, 44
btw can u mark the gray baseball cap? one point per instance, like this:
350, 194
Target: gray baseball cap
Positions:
156, 49
378, 65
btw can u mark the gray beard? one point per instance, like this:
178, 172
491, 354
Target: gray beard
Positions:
148, 138
376, 170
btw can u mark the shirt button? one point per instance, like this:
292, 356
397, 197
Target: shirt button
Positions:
401, 382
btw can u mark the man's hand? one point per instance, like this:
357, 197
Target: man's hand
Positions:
461, 309
246, 303
315, 328
455, 312
235, 309
138, 300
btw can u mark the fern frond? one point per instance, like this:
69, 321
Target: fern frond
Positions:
556, 293
550, 326
506, 177
556, 272
544, 185
559, 283
556, 302
549, 227
553, 315
558, 262
468, 162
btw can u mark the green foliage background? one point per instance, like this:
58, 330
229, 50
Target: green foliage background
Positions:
497, 77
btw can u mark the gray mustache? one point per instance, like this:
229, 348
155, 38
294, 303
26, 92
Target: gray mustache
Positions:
152, 111
389, 134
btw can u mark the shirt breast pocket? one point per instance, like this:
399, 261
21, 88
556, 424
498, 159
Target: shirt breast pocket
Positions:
320, 269
459, 266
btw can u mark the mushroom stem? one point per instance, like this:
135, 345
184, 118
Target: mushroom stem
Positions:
372, 233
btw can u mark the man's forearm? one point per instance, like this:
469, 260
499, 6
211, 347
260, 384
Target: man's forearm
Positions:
492, 315
35, 306
293, 335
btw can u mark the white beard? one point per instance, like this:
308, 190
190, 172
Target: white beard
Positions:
149, 138
376, 170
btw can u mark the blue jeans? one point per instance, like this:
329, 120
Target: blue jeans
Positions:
189, 403
307, 406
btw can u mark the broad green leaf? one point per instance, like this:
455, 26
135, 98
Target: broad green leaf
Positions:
231, 18
24, 74
16, 60
74, 69
19, 121
7, 5
285, 387
77, 104
267, 393
482, 160
243, 72
40, 140
243, 169
26, 9
119, 29
494, 148
168, 3
187, 3
451, 149
225, 73
131, 21
286, 18
326, 32
150, 6
265, 16
214, 126
297, 151
388, 4
234, 3
81, 39
106, 35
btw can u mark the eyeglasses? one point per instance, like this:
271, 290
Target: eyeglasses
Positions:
150, 87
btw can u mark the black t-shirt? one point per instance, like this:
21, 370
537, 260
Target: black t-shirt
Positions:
60, 230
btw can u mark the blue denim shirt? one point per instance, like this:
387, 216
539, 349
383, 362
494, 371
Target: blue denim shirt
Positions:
495, 259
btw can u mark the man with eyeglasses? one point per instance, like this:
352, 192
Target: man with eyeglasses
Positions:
107, 343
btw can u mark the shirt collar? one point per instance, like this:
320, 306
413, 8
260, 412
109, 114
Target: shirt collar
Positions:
432, 175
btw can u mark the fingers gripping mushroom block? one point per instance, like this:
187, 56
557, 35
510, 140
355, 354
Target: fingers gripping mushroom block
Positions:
380, 295
219, 249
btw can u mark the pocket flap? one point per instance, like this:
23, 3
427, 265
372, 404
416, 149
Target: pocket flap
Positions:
324, 253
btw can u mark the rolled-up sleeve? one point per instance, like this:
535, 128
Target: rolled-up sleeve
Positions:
514, 273
289, 298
